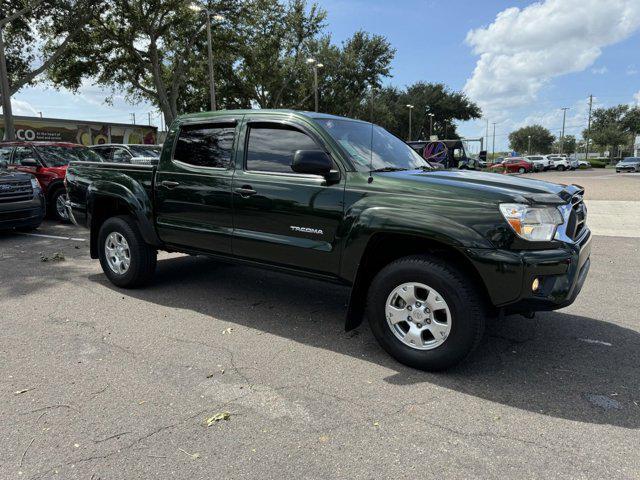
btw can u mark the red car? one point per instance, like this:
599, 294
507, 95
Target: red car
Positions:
48, 162
513, 165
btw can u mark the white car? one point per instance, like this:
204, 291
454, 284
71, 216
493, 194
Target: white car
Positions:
540, 162
560, 163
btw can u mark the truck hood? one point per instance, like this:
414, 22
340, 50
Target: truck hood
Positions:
501, 187
8, 176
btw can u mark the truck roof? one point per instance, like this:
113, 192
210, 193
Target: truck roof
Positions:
266, 111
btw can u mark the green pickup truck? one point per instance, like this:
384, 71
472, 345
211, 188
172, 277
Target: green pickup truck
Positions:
428, 254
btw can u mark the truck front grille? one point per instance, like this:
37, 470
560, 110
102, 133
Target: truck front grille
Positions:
15, 191
577, 217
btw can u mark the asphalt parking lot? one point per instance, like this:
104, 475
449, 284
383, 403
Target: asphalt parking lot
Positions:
102, 383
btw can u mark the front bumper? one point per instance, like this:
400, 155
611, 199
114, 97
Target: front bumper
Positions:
29, 213
508, 275
627, 169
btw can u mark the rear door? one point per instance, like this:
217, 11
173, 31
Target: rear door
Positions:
282, 217
193, 187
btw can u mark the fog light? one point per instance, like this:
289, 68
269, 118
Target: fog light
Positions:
535, 284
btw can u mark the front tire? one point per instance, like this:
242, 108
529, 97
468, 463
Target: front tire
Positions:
425, 312
126, 259
521, 170
57, 205
560, 168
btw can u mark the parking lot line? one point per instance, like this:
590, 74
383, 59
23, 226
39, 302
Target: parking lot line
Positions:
53, 236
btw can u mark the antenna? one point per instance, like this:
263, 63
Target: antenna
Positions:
370, 179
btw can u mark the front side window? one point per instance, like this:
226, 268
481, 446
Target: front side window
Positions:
372, 147
22, 153
271, 147
205, 145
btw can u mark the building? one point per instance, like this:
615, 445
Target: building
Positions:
636, 147
80, 131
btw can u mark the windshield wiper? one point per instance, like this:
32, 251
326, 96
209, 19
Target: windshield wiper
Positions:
389, 169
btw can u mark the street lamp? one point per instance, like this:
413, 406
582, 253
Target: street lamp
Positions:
316, 66
564, 116
410, 107
431, 115
219, 18
529, 148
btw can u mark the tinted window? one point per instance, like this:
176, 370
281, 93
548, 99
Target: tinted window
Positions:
5, 154
104, 152
271, 148
22, 153
145, 151
120, 155
59, 156
205, 145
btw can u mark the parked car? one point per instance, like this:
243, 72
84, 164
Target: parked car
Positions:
48, 162
628, 164
560, 163
513, 165
540, 162
21, 200
128, 153
428, 253
583, 163
444, 154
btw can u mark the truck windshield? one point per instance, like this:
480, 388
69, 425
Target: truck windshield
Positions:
145, 151
59, 156
372, 147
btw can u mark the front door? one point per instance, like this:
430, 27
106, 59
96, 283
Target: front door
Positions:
193, 187
280, 216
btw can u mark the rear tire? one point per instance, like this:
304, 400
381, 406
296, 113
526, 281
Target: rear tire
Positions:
465, 317
560, 168
126, 259
521, 170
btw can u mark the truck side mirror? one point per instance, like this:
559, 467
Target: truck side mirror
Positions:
29, 162
314, 162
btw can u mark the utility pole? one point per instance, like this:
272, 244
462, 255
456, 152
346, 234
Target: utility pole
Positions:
588, 129
212, 85
493, 155
133, 117
149, 114
410, 107
40, 113
9, 129
487, 133
564, 116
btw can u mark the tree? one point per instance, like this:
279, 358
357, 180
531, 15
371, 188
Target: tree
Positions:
614, 127
541, 139
568, 144
34, 36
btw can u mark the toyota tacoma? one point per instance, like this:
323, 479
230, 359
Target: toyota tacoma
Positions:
428, 254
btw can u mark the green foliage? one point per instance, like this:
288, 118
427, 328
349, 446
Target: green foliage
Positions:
614, 126
541, 139
569, 145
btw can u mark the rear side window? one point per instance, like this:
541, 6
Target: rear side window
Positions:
5, 154
104, 152
271, 147
205, 145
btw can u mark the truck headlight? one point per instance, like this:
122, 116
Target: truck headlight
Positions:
532, 223
35, 185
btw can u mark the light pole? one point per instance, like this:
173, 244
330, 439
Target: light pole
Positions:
316, 66
212, 85
431, 115
564, 116
493, 155
529, 148
410, 107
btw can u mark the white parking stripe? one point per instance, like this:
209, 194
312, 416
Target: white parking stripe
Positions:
52, 236
614, 218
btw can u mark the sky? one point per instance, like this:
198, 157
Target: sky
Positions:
521, 61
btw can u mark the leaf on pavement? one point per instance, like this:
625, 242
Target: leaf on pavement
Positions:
217, 417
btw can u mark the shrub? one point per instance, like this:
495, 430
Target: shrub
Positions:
597, 163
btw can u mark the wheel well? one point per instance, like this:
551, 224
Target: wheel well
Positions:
53, 188
102, 209
384, 248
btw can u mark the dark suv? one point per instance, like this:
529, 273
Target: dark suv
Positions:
48, 162
21, 200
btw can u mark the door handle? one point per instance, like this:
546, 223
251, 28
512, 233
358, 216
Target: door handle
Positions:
246, 191
169, 184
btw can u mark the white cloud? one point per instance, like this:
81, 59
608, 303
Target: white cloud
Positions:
632, 70
599, 70
636, 97
523, 49
21, 107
